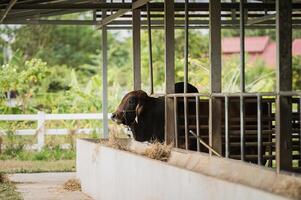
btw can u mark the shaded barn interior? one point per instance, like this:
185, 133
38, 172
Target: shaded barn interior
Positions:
258, 148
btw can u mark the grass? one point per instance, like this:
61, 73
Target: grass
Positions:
49, 154
17, 166
50, 159
8, 189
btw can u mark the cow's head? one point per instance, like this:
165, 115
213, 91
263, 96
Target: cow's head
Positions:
130, 108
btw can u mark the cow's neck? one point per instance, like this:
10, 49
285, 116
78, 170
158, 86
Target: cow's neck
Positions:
146, 128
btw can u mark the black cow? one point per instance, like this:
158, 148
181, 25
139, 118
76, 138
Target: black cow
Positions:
144, 115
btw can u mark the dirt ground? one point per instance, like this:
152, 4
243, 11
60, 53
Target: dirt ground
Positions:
46, 186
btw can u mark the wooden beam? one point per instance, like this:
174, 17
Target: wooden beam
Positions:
8, 8
284, 83
136, 33
169, 69
215, 125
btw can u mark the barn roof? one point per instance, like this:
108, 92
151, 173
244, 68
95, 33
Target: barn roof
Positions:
261, 13
252, 44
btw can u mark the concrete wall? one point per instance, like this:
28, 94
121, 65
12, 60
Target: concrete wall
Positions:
109, 174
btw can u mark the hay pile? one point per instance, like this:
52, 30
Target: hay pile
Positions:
158, 151
117, 143
72, 185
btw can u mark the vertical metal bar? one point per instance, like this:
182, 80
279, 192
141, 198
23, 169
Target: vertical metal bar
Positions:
150, 49
176, 121
186, 47
233, 13
284, 83
270, 163
242, 128
210, 123
242, 77
186, 124
215, 120
197, 120
227, 126
169, 68
259, 131
136, 49
242, 45
104, 78
300, 132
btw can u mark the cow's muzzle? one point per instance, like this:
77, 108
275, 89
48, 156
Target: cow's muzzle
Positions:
115, 118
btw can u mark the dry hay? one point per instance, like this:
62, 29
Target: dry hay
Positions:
115, 141
290, 187
72, 185
158, 151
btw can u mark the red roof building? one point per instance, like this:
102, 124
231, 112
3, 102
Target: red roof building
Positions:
261, 48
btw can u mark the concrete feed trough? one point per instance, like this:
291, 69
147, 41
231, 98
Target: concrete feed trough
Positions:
111, 174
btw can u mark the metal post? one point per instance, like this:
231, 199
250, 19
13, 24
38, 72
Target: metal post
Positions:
215, 104
242, 79
299, 132
169, 68
197, 115
104, 40
175, 107
284, 83
136, 49
150, 50
186, 48
259, 131
226, 126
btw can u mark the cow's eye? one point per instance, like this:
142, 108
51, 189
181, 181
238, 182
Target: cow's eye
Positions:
132, 101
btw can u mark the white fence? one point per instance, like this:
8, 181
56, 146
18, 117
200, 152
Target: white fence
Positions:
42, 117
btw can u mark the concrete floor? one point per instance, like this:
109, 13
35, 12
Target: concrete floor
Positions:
46, 186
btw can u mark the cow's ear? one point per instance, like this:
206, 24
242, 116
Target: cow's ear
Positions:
139, 109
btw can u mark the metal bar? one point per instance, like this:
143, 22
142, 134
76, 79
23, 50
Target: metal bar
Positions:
227, 126
186, 123
259, 131
299, 132
8, 8
242, 128
206, 145
261, 19
119, 13
197, 120
210, 123
215, 125
150, 49
242, 45
270, 139
242, 77
105, 79
284, 83
114, 16
193, 6
176, 121
186, 47
136, 49
139, 3
169, 31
